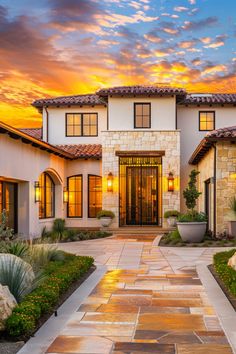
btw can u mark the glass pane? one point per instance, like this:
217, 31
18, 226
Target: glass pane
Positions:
86, 119
146, 109
75, 196
86, 130
69, 119
77, 130
70, 130
77, 119
203, 126
93, 119
93, 130
139, 122
138, 109
146, 122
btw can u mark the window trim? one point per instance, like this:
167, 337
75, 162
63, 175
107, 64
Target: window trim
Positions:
150, 116
199, 121
82, 199
54, 195
91, 175
82, 125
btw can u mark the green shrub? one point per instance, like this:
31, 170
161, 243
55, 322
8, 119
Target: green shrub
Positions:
170, 213
226, 273
6, 233
105, 214
192, 217
18, 248
60, 275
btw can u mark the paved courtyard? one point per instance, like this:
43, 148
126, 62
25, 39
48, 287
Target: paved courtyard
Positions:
150, 300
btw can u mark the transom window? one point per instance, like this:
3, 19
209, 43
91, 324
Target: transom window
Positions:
81, 124
94, 195
46, 197
142, 115
75, 186
206, 120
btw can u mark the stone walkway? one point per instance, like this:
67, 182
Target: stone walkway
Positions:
149, 301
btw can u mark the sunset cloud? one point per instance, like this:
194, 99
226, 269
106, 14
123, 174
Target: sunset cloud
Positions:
65, 47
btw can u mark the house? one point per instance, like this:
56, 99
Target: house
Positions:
127, 149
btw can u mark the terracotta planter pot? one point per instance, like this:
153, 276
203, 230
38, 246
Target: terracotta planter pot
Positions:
172, 221
232, 228
192, 231
105, 222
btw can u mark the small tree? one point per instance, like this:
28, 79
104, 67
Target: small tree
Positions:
191, 193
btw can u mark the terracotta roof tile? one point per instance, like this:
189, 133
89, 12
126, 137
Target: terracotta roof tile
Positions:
92, 99
83, 150
34, 132
227, 133
140, 90
209, 99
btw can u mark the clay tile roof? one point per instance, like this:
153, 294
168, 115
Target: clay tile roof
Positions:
83, 150
140, 90
91, 99
34, 132
228, 133
222, 133
209, 99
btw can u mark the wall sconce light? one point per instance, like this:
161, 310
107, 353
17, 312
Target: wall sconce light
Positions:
36, 191
170, 180
110, 182
65, 195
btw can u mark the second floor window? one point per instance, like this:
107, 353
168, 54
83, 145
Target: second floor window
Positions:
206, 120
81, 124
142, 115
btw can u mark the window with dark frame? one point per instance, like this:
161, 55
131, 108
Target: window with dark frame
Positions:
206, 120
81, 124
142, 115
47, 196
94, 195
75, 201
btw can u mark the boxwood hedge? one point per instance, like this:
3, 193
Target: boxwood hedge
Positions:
60, 275
226, 273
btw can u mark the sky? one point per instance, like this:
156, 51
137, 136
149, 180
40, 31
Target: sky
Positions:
65, 47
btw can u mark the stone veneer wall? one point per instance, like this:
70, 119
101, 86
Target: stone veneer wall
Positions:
206, 169
225, 183
113, 141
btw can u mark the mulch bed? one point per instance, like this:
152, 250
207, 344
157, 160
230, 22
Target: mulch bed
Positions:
9, 345
229, 296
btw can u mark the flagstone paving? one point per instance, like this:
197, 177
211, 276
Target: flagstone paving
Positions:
149, 301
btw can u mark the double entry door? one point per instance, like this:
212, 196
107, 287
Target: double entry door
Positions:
142, 195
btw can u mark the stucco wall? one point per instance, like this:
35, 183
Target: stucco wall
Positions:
24, 164
169, 141
57, 124
190, 137
121, 112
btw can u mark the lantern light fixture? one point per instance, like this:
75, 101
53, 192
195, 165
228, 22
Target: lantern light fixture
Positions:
170, 180
36, 191
110, 182
65, 195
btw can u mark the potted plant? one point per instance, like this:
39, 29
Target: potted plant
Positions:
192, 225
171, 216
105, 217
232, 223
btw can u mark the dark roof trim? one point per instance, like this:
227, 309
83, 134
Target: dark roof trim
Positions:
27, 139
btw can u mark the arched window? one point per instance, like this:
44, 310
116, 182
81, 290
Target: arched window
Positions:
47, 196
94, 195
75, 187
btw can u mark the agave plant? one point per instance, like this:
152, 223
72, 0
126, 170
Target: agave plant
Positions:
18, 248
18, 275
